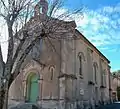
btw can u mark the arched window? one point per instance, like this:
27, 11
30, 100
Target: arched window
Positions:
81, 58
95, 67
104, 77
51, 69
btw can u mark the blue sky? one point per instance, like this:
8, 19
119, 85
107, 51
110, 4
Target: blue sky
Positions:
101, 25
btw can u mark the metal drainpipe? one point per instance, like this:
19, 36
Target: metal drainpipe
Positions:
42, 77
41, 45
75, 68
59, 75
74, 54
41, 91
109, 85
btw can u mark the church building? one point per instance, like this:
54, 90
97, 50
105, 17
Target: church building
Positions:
63, 70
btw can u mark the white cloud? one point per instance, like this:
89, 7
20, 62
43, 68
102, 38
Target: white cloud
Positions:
108, 9
102, 27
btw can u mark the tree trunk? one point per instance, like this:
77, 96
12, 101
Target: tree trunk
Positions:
5, 106
1, 79
2, 96
8, 67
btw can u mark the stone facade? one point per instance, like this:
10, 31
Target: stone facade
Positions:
70, 72
115, 83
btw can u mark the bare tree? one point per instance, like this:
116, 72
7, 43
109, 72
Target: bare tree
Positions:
16, 13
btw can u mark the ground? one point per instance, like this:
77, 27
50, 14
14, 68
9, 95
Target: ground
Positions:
111, 106
32, 106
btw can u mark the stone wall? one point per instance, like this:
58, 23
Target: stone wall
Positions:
67, 88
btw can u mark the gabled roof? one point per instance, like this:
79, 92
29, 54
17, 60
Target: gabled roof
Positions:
92, 45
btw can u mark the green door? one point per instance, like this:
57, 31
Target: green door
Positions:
33, 89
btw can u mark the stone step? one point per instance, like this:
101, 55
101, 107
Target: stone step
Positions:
26, 106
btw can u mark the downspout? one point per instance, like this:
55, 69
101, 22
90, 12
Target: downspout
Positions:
41, 81
60, 58
101, 79
75, 68
109, 84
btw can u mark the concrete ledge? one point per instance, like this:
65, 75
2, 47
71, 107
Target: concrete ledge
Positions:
68, 76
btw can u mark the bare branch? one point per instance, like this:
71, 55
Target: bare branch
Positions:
23, 56
1, 61
26, 17
3, 15
25, 36
5, 7
54, 6
53, 46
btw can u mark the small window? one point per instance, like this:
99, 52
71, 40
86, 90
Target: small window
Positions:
95, 74
81, 58
80, 65
95, 67
51, 72
104, 77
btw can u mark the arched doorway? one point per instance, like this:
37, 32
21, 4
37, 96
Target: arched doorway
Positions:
32, 88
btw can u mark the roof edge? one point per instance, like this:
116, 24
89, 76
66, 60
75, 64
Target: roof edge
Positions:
92, 45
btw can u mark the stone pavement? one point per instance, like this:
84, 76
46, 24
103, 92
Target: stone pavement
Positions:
25, 106
33, 106
111, 106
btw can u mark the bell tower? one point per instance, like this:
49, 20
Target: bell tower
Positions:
41, 5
